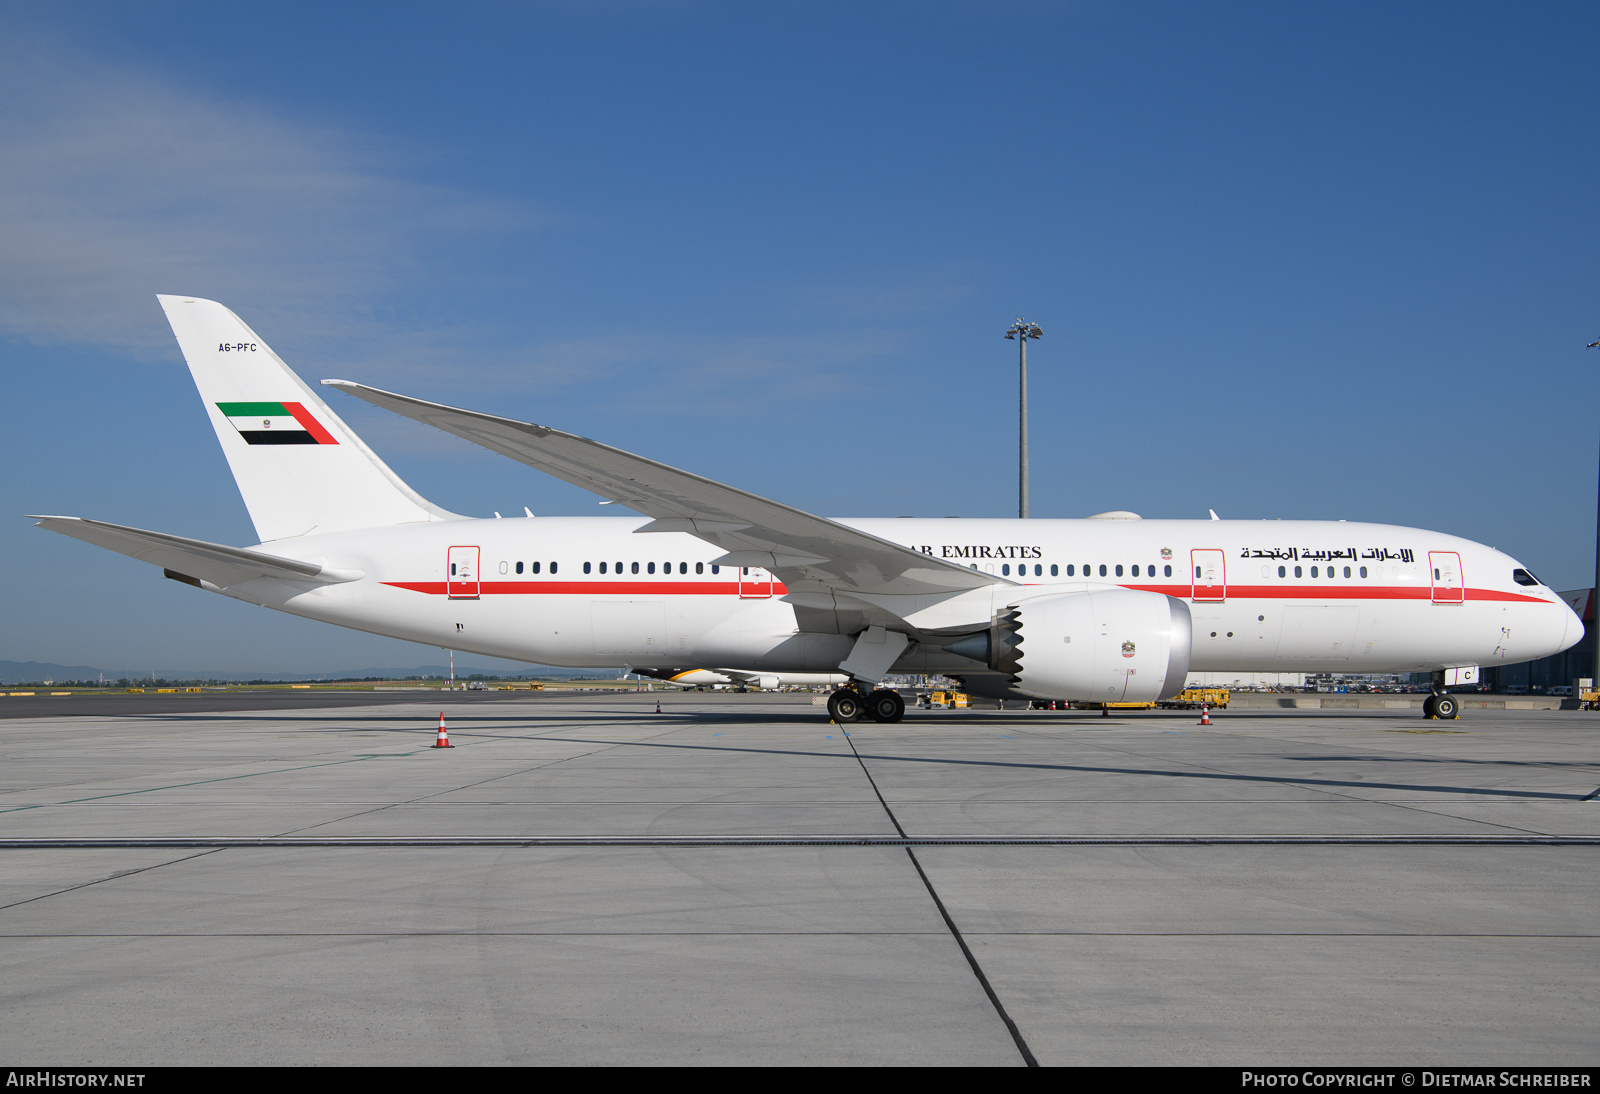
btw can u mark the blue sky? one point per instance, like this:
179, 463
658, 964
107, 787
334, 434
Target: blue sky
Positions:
1297, 260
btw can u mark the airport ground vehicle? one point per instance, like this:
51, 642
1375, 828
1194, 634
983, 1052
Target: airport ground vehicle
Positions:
1095, 610
1194, 698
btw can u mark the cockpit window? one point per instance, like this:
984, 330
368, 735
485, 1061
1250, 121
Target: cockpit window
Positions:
1523, 577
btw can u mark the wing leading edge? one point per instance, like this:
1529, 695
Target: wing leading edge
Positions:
807, 552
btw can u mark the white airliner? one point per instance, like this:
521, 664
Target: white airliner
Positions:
715, 579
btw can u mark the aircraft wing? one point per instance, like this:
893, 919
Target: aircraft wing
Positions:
805, 551
216, 563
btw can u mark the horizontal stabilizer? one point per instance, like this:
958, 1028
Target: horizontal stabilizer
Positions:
215, 563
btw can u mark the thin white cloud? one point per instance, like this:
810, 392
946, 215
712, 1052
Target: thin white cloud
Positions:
116, 184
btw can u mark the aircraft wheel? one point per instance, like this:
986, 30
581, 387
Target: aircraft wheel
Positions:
1446, 706
844, 706
886, 706
1430, 708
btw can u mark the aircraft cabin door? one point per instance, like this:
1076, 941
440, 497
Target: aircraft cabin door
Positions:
1210, 580
1445, 571
461, 581
754, 583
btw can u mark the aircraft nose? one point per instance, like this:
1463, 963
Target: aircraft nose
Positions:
1557, 628
1572, 633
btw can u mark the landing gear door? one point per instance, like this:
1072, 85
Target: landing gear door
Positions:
461, 574
1444, 568
1210, 576
754, 582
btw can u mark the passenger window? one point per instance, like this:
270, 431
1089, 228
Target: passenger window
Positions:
1168, 570
1363, 571
1297, 571
716, 569
585, 567
535, 567
699, 567
1197, 571
519, 567
1005, 570
1102, 569
1055, 570
650, 568
1313, 571
1282, 572
1119, 569
635, 567
552, 567
1136, 571
683, 567
452, 569
1038, 570
602, 567
1071, 570
1347, 571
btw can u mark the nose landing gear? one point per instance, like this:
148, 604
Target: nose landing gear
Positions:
1441, 704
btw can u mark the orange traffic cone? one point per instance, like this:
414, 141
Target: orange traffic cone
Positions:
444, 735
1205, 714
658, 706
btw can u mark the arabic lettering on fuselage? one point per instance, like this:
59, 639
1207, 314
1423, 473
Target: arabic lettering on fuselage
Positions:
1328, 554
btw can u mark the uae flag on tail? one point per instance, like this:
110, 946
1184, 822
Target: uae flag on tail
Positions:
275, 423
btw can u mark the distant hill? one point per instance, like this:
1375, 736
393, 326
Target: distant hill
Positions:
21, 672
36, 672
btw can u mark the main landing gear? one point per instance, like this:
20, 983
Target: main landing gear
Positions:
848, 704
1441, 704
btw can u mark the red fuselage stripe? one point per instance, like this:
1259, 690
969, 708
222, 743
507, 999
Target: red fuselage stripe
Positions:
595, 588
732, 588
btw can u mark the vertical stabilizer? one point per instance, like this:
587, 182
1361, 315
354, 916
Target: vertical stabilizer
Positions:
300, 468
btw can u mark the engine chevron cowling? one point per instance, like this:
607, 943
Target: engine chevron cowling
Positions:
1103, 645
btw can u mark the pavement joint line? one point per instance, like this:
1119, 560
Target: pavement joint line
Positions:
381, 807
109, 877
196, 782
1084, 769
112, 842
781, 934
950, 924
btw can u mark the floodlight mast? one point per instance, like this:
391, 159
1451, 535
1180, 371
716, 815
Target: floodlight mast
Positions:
1594, 609
1022, 330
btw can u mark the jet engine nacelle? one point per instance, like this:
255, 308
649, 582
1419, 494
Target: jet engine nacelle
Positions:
1102, 645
